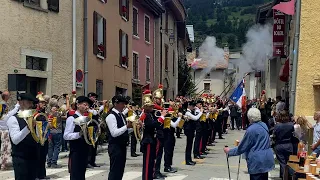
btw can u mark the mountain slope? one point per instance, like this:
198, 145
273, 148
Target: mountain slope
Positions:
227, 20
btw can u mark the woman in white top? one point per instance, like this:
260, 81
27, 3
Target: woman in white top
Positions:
301, 128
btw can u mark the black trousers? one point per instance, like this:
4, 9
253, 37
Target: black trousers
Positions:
260, 176
168, 149
235, 119
78, 164
133, 144
42, 157
283, 152
92, 154
224, 124
24, 169
118, 156
159, 153
218, 128
197, 141
149, 156
204, 140
178, 132
190, 136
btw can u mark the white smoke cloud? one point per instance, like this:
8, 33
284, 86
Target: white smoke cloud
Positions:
258, 47
212, 54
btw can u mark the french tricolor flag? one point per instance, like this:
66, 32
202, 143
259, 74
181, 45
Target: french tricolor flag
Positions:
239, 95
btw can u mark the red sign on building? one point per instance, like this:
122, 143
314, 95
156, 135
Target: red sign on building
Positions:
279, 26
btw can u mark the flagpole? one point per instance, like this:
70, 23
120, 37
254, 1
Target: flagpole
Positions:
295, 57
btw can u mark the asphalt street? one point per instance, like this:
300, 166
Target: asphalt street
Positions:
213, 167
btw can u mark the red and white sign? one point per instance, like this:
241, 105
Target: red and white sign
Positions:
279, 26
79, 75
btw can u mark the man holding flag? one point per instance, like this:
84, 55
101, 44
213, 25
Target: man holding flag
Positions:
239, 97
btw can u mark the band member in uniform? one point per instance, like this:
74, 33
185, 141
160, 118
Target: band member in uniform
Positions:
189, 129
5, 114
149, 141
170, 139
118, 137
43, 150
197, 140
95, 109
24, 147
78, 156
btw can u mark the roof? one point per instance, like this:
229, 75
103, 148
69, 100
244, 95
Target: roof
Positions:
202, 63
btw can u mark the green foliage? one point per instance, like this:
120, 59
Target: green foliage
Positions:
185, 84
227, 20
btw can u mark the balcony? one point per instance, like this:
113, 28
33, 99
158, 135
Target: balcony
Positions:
153, 5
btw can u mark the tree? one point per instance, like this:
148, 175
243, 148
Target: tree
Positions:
185, 84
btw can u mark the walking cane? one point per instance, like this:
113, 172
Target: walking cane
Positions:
228, 164
237, 144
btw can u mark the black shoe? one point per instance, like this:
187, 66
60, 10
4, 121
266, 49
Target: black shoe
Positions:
56, 166
134, 155
204, 153
221, 137
191, 163
89, 166
198, 157
94, 165
179, 137
46, 177
162, 175
159, 176
48, 165
170, 170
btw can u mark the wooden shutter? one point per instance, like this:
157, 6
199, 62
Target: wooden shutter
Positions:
128, 9
127, 49
104, 37
53, 5
120, 46
95, 33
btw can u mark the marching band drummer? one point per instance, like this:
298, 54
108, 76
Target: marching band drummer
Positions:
5, 139
24, 156
189, 129
118, 137
78, 156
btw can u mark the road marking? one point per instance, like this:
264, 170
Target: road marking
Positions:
131, 175
176, 177
88, 174
49, 172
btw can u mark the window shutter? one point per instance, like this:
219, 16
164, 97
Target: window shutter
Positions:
95, 33
120, 7
127, 49
128, 9
120, 47
53, 5
104, 38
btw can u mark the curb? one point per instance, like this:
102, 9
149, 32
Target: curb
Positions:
63, 155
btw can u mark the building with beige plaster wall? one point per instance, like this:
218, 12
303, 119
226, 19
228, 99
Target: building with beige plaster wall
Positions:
308, 74
36, 41
109, 47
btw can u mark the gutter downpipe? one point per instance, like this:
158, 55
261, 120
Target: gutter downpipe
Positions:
74, 48
295, 57
85, 33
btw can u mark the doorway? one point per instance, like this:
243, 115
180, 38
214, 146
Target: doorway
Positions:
34, 85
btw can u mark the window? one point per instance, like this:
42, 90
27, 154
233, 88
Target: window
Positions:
167, 21
33, 2
36, 63
135, 66
124, 9
99, 35
135, 21
206, 87
99, 89
166, 47
208, 76
53, 5
146, 28
173, 61
123, 48
147, 68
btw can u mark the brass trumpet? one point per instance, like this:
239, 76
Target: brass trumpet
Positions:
137, 128
90, 135
30, 116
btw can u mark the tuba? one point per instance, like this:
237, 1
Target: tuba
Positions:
39, 132
90, 133
137, 129
3, 109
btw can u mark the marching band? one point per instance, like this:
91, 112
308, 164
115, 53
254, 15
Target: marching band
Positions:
35, 121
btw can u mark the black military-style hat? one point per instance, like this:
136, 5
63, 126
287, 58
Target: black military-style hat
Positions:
119, 99
191, 103
82, 99
199, 101
92, 94
28, 97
